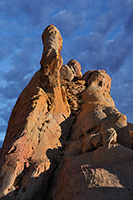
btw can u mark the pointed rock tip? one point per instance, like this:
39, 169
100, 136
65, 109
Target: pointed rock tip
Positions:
51, 31
52, 45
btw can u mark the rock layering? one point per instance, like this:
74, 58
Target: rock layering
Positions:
65, 139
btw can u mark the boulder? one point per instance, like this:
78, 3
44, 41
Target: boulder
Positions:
75, 68
66, 73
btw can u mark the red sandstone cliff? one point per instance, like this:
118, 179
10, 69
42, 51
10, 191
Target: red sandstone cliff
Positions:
65, 138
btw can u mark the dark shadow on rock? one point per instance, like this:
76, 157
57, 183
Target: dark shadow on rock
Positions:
66, 126
55, 154
45, 179
121, 169
108, 193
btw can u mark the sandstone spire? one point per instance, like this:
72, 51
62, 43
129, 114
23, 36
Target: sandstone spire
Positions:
34, 123
52, 46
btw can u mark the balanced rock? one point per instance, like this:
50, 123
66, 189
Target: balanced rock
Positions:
71, 70
75, 67
66, 73
65, 137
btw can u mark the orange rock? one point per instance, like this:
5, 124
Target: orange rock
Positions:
65, 138
75, 67
52, 42
34, 125
98, 111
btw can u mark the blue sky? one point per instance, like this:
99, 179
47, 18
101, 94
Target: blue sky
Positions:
97, 33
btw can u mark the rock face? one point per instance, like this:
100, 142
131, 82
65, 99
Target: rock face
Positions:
65, 138
34, 126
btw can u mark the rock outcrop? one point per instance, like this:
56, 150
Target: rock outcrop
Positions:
65, 138
34, 125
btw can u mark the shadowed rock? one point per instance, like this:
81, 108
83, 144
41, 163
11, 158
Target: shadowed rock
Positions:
66, 73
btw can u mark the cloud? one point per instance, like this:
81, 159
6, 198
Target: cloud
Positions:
121, 91
105, 22
4, 49
23, 63
66, 21
96, 50
2, 128
10, 91
5, 112
129, 24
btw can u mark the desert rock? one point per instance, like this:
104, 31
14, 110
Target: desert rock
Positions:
34, 125
75, 67
66, 73
65, 137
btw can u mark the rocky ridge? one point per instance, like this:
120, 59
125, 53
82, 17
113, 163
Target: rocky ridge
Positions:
65, 138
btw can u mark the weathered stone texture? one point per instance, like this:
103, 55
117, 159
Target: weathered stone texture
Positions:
65, 138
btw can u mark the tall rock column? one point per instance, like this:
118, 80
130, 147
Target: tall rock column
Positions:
34, 126
51, 63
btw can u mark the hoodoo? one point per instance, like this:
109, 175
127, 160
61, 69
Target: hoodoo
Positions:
65, 138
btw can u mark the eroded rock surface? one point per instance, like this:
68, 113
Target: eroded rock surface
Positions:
65, 138
34, 126
71, 70
75, 67
66, 73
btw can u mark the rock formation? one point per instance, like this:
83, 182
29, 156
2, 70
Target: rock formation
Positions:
65, 139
